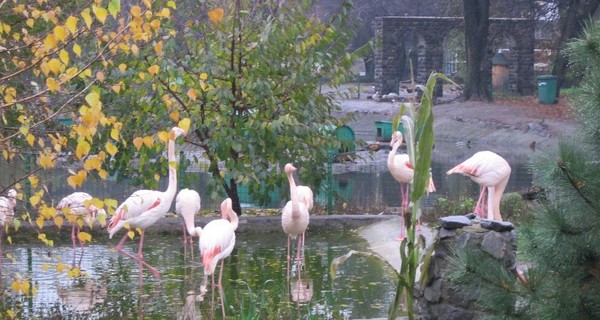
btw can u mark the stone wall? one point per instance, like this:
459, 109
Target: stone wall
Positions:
438, 300
421, 39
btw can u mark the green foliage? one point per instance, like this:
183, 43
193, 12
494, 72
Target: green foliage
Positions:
419, 144
444, 206
515, 209
250, 85
561, 245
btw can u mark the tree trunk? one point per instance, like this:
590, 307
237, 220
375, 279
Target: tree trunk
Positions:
478, 76
572, 18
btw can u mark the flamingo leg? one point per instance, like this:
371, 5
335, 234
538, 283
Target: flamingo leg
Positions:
138, 257
288, 257
479, 206
1, 253
404, 196
220, 285
73, 240
298, 261
490, 203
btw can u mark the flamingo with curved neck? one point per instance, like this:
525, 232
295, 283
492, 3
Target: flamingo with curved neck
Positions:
145, 207
295, 215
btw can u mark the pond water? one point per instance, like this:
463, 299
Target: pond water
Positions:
254, 277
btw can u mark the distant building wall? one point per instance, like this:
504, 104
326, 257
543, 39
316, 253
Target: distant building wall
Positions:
421, 40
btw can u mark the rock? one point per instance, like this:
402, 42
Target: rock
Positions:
494, 244
495, 225
455, 222
447, 233
471, 215
433, 292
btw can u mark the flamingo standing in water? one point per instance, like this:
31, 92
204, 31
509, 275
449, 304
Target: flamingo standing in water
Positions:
295, 215
403, 171
78, 205
187, 204
490, 171
144, 207
7, 213
217, 240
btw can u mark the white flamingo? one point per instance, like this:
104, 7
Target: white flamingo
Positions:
295, 215
187, 205
403, 171
78, 204
490, 171
217, 241
144, 207
7, 213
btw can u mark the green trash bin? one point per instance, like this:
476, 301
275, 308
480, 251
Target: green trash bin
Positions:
547, 89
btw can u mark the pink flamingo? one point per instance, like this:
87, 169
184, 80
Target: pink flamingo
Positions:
144, 207
490, 171
78, 204
217, 240
7, 213
403, 171
295, 215
187, 205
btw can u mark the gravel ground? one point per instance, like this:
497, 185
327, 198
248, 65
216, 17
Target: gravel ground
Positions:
518, 126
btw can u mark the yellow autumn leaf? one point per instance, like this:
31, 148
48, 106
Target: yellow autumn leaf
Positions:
86, 73
216, 15
100, 76
185, 124
92, 163
158, 47
165, 12
39, 222
135, 50
136, 11
192, 94
174, 115
59, 33
84, 237
114, 133
34, 200
71, 24
64, 56
49, 42
148, 141
137, 142
77, 50
100, 13
83, 149
54, 65
30, 23
153, 70
52, 84
30, 139
33, 180
203, 76
111, 149
103, 174
122, 67
46, 161
163, 136
92, 98
58, 221
87, 17
131, 234
142, 75
116, 87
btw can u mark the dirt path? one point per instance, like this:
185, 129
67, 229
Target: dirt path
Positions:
518, 125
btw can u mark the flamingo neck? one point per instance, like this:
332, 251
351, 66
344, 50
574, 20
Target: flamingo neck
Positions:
190, 225
294, 196
392, 154
233, 218
172, 186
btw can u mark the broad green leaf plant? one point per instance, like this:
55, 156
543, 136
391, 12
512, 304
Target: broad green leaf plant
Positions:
419, 137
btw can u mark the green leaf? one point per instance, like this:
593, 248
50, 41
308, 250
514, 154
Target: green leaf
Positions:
114, 7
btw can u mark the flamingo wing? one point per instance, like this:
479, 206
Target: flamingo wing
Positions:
401, 168
216, 243
76, 202
187, 200
134, 207
305, 194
